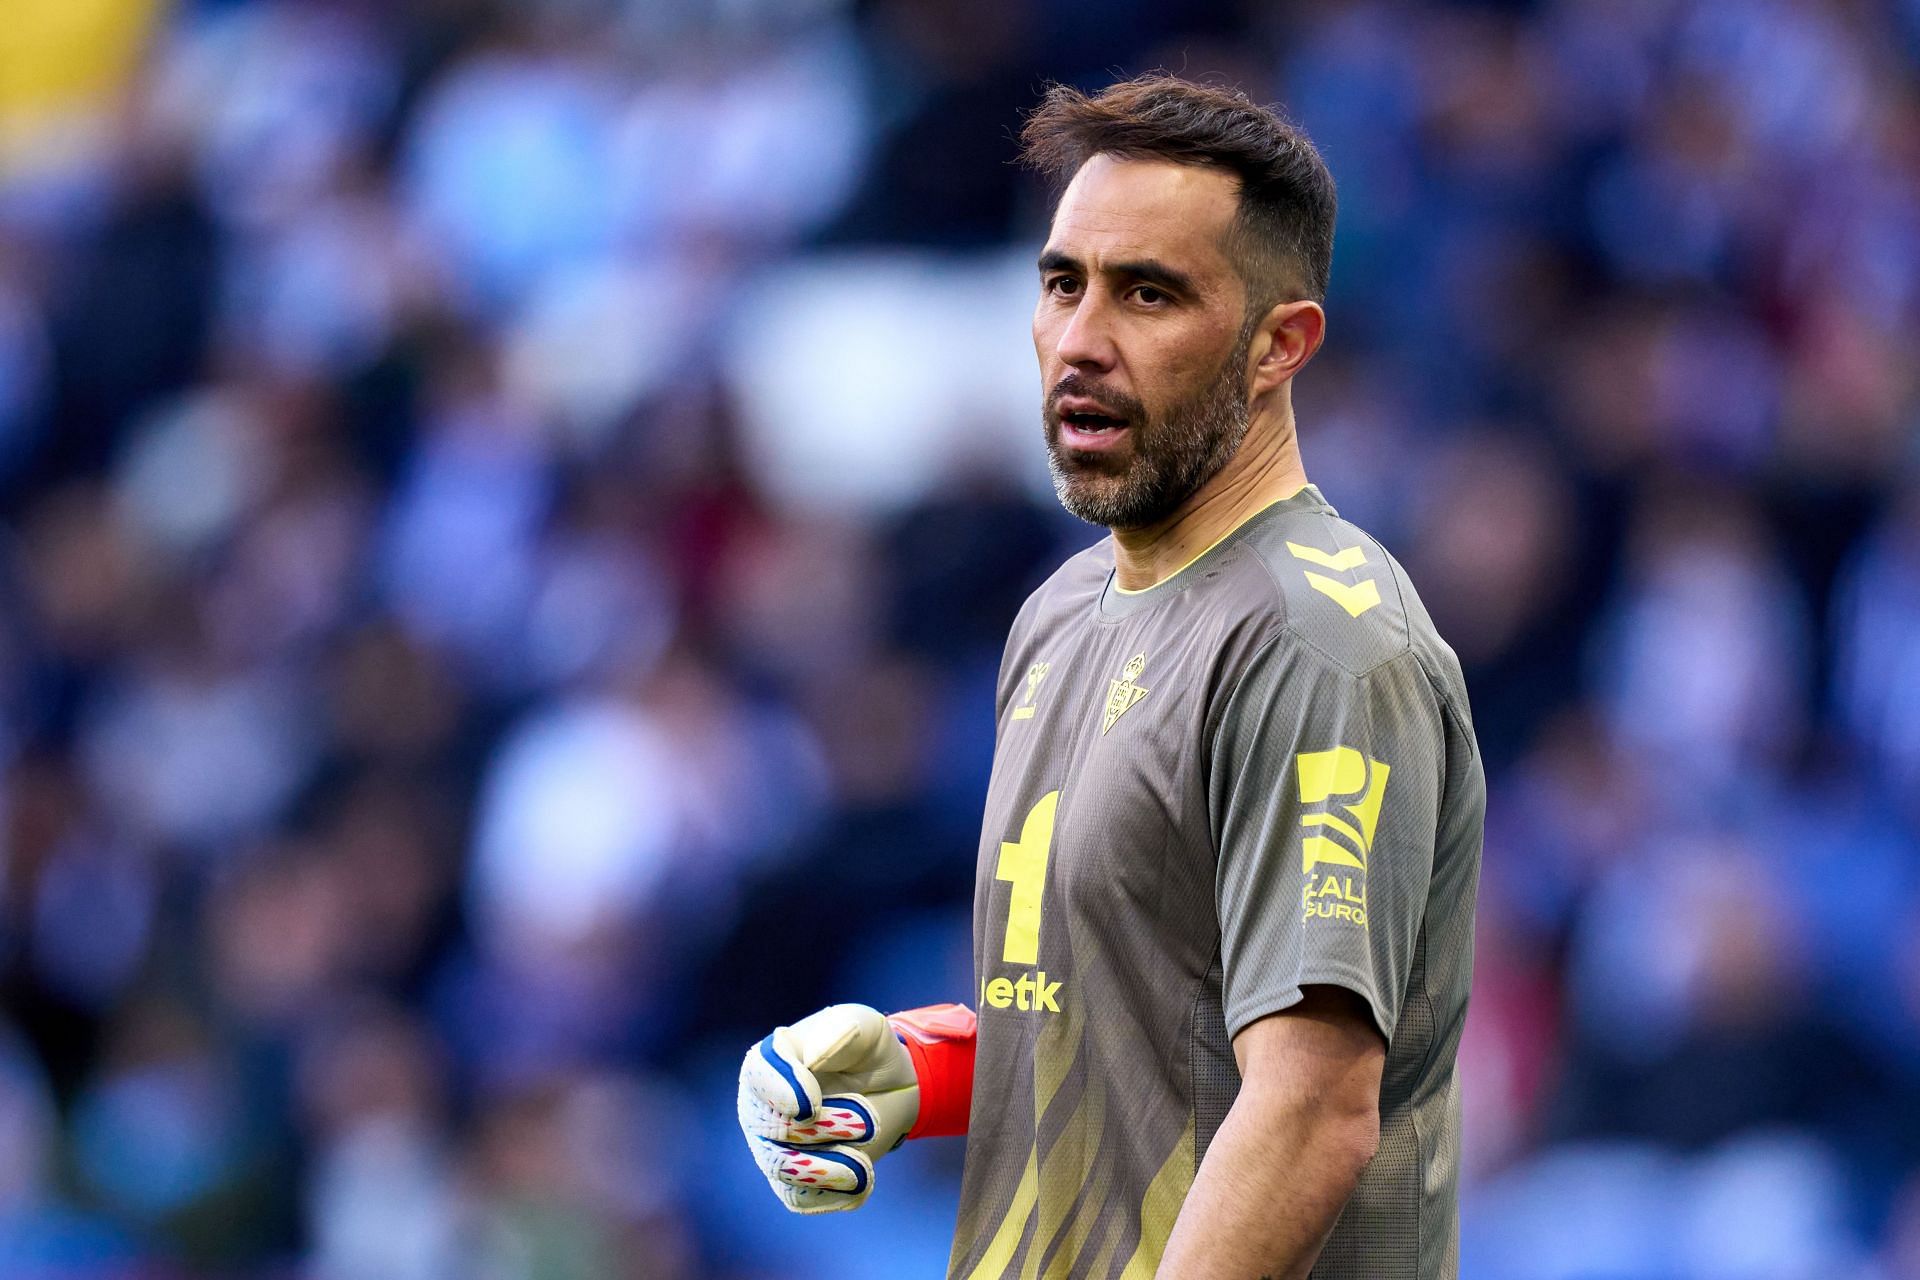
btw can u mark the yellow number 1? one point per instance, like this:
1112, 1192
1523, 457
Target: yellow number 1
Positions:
1024, 864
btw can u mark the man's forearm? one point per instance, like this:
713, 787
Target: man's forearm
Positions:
1274, 1180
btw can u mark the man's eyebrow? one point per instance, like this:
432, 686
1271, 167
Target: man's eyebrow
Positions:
1150, 270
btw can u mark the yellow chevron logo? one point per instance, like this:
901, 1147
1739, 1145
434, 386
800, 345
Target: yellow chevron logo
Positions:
1351, 558
1355, 597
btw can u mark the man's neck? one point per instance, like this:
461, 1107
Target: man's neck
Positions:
1264, 470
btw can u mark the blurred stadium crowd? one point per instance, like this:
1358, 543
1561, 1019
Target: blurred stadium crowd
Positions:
512, 510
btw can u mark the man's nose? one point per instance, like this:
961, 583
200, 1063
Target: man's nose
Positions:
1087, 341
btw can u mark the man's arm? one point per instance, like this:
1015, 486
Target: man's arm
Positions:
1292, 1147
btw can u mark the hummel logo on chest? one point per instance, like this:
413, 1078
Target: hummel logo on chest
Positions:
1035, 674
1124, 692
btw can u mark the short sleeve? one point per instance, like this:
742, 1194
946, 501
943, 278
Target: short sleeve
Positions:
1324, 790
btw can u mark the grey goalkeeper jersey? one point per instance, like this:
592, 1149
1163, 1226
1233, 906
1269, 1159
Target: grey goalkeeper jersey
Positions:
1255, 775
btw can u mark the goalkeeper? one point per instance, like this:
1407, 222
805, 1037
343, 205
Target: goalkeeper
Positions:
1223, 914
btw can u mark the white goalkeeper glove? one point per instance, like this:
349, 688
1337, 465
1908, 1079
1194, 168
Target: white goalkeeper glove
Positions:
821, 1100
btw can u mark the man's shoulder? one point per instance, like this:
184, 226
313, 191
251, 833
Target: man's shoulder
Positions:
1331, 587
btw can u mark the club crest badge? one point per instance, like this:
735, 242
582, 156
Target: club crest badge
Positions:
1124, 692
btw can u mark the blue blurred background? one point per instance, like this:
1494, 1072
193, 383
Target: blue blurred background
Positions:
512, 509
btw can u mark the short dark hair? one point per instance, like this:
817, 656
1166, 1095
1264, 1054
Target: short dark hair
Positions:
1281, 239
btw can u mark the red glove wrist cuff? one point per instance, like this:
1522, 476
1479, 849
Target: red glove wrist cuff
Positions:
940, 1040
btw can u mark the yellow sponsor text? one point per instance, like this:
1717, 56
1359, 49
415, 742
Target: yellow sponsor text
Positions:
1342, 790
1031, 992
1331, 897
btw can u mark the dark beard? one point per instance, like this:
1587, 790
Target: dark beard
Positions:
1170, 456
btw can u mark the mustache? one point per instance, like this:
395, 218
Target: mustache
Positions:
1112, 401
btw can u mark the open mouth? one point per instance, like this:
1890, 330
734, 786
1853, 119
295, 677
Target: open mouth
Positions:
1092, 424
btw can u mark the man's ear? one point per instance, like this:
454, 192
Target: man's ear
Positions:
1292, 332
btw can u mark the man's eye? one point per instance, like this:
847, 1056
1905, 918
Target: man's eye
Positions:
1150, 295
1064, 285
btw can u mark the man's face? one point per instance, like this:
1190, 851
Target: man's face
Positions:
1140, 336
